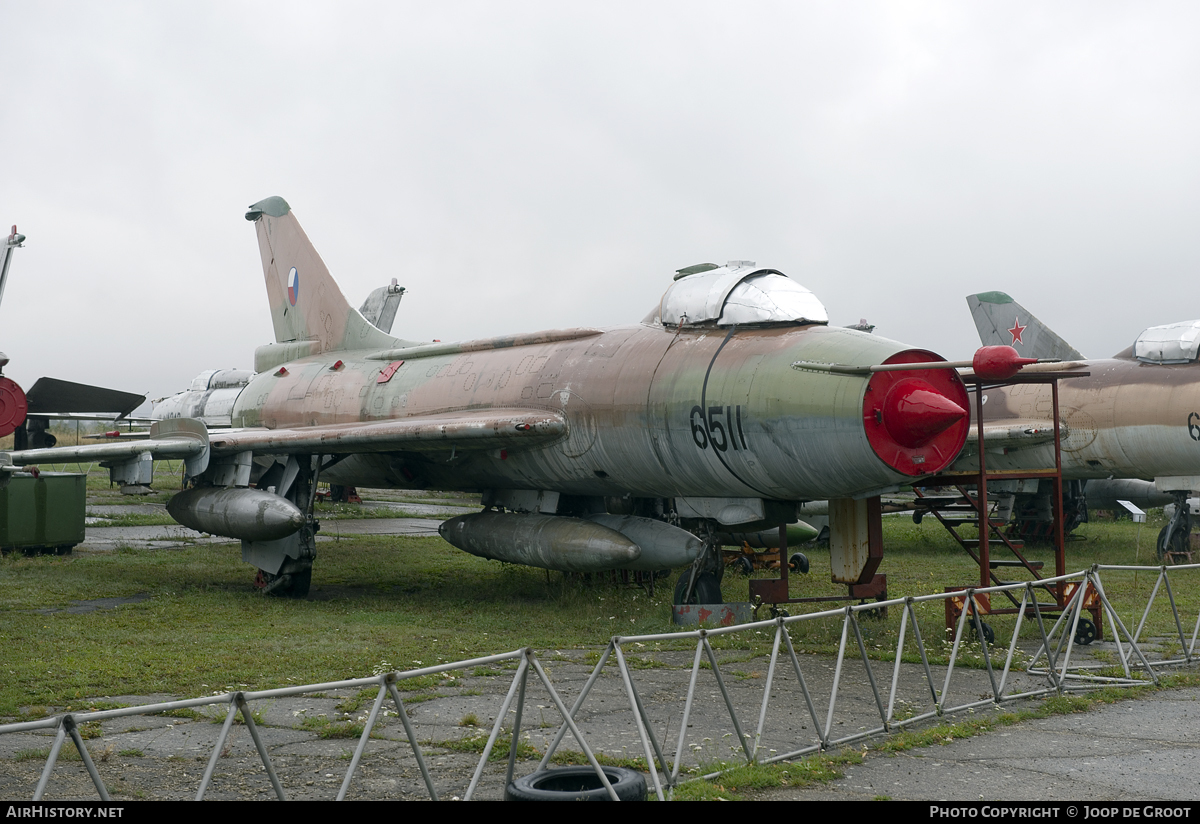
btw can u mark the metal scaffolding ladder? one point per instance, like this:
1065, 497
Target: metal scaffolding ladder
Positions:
970, 507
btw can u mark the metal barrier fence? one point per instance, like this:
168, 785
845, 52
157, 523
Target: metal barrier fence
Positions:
1050, 663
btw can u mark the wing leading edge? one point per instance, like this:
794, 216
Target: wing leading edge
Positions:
467, 430
171, 439
186, 438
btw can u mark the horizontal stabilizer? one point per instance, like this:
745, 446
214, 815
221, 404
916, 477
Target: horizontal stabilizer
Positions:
50, 395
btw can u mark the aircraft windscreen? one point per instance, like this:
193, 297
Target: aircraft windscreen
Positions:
1173, 343
738, 293
771, 298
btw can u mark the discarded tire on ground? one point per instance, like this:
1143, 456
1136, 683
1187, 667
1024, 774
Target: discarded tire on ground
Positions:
577, 784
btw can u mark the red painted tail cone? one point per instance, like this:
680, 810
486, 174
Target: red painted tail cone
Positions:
914, 412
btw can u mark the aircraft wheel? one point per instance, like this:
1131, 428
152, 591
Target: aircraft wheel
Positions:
1085, 633
1179, 546
706, 591
577, 784
799, 562
301, 583
287, 585
718, 573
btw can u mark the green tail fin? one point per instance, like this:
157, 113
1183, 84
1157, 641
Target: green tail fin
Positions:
1001, 320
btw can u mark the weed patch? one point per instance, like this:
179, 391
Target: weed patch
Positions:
475, 744
732, 785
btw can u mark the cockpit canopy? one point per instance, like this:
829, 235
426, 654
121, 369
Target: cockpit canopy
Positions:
736, 293
1173, 343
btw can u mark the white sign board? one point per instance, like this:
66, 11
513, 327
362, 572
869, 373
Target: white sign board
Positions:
1139, 517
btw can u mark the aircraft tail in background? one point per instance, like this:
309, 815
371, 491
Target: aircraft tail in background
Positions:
1000, 320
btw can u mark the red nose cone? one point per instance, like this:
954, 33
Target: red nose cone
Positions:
916, 420
914, 412
998, 363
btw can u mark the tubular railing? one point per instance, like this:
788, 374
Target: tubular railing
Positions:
1049, 662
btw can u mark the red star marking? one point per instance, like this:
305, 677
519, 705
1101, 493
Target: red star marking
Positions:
1016, 331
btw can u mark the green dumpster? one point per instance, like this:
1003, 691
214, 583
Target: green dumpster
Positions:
44, 512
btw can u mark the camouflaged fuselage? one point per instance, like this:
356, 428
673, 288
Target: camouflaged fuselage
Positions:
650, 411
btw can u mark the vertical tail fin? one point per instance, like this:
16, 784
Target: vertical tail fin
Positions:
380, 306
1001, 320
306, 303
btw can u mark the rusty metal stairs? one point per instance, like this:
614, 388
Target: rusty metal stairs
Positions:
963, 509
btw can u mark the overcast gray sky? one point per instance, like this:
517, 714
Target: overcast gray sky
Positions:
530, 165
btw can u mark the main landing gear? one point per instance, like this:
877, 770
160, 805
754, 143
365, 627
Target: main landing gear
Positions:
701, 584
285, 566
293, 580
1174, 545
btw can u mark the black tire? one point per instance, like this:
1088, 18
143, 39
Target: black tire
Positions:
301, 583
577, 784
1085, 632
989, 634
296, 585
706, 591
744, 565
799, 562
1179, 544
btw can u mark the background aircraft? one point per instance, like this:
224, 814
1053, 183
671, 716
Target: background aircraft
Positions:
594, 449
26, 415
1136, 417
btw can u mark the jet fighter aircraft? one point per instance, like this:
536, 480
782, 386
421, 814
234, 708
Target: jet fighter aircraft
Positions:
594, 449
1136, 417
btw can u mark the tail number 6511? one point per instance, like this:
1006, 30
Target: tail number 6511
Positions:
720, 427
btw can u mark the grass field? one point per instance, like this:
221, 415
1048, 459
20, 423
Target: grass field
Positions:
399, 603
